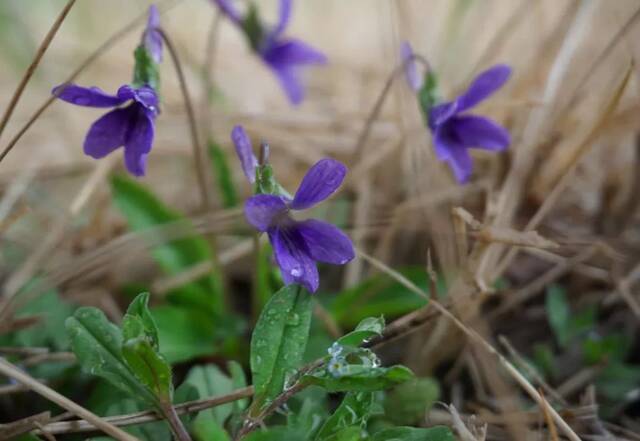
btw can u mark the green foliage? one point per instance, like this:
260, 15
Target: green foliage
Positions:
145, 71
278, 341
438, 433
210, 381
428, 95
276, 434
143, 211
359, 378
222, 172
610, 348
408, 403
354, 411
378, 295
131, 363
565, 326
367, 328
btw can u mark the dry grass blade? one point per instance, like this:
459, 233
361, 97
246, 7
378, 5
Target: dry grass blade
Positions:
11, 371
475, 337
32, 67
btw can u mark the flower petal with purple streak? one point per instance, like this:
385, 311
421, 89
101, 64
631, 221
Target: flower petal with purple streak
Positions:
263, 211
483, 86
138, 141
480, 132
144, 95
107, 133
228, 9
284, 16
460, 162
248, 160
320, 182
326, 243
86, 96
293, 257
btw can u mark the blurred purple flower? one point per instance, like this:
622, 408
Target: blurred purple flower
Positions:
410, 67
298, 245
244, 150
152, 38
454, 133
131, 127
284, 56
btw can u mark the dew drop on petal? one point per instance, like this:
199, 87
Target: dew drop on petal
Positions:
296, 271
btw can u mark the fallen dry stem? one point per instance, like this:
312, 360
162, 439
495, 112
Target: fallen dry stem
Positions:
473, 335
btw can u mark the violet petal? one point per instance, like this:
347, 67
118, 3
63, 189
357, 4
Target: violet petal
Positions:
481, 132
244, 150
139, 140
107, 133
284, 15
86, 96
152, 38
292, 256
326, 243
320, 182
483, 86
228, 9
264, 210
461, 163
410, 67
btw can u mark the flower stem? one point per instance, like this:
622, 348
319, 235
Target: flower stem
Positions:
198, 151
175, 423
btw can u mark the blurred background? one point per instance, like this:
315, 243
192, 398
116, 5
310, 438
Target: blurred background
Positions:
567, 313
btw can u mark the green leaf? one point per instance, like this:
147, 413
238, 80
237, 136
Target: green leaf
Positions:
239, 380
438, 433
138, 321
278, 341
407, 403
143, 211
209, 430
307, 410
367, 328
223, 174
149, 367
155, 431
276, 434
145, 71
558, 314
185, 333
354, 410
97, 344
618, 380
428, 96
210, 381
361, 379
379, 295
614, 347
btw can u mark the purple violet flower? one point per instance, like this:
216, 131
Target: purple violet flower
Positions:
284, 56
248, 160
131, 127
455, 133
411, 74
152, 39
298, 245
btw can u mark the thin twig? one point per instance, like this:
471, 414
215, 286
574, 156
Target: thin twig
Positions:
473, 335
149, 415
11, 371
175, 423
34, 64
198, 152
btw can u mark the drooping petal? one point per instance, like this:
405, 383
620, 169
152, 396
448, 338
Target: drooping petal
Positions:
139, 140
285, 58
264, 210
284, 15
410, 67
461, 163
244, 150
449, 148
86, 96
107, 133
152, 38
228, 9
320, 182
483, 86
480, 132
293, 258
326, 243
